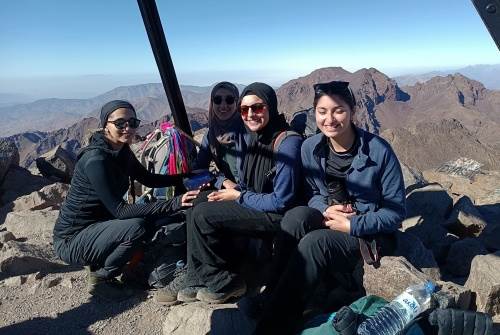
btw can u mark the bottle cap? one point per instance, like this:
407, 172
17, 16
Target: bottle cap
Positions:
430, 287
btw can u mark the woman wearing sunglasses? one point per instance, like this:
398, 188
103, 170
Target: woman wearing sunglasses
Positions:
355, 189
224, 141
268, 187
96, 227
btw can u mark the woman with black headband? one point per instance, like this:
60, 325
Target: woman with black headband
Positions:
355, 189
96, 227
269, 186
224, 141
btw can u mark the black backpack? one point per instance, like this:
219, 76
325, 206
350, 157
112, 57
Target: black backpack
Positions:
304, 122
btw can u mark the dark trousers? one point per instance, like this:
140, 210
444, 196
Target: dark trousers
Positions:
105, 246
315, 251
212, 228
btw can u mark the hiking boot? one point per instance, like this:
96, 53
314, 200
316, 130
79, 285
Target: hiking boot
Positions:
235, 289
168, 295
107, 288
188, 294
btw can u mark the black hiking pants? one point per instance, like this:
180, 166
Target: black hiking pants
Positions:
314, 251
105, 246
212, 227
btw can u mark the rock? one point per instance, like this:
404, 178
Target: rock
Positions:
35, 288
36, 226
491, 237
6, 236
33, 277
465, 220
452, 295
49, 282
17, 258
411, 248
68, 282
432, 234
461, 254
200, 318
9, 156
430, 202
15, 281
57, 163
49, 196
393, 276
412, 178
484, 280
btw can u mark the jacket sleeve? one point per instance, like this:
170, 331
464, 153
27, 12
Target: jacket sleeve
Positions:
312, 191
286, 182
203, 159
391, 210
101, 176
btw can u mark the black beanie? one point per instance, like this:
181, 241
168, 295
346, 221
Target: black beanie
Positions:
111, 106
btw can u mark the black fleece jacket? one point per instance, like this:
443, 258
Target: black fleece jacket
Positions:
100, 180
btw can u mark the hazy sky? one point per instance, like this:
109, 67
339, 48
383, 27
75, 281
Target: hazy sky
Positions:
80, 47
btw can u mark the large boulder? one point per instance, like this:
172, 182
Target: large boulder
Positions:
411, 248
431, 202
18, 258
461, 255
200, 318
412, 178
484, 280
57, 164
9, 156
451, 295
18, 182
35, 226
491, 237
465, 220
49, 196
391, 278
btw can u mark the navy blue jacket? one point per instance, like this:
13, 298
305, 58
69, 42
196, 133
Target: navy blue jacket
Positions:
286, 182
374, 181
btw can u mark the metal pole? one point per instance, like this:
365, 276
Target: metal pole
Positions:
153, 26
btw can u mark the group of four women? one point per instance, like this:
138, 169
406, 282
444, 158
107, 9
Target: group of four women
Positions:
316, 198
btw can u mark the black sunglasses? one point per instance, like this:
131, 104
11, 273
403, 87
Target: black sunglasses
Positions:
331, 87
229, 99
122, 123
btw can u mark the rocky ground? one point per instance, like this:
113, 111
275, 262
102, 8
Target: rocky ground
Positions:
452, 235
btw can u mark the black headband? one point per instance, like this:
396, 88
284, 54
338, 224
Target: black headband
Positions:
111, 106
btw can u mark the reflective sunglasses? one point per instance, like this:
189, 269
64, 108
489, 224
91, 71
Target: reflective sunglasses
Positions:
122, 123
229, 99
257, 108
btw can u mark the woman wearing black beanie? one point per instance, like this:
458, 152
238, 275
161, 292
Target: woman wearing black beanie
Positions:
96, 227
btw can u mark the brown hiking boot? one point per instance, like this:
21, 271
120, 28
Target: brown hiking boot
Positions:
236, 289
107, 288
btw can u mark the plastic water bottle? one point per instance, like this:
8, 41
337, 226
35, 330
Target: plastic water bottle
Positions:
393, 317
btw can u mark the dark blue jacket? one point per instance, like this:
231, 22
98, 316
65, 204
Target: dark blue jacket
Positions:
286, 181
374, 181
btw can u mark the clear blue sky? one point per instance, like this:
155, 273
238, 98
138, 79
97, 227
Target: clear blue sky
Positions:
239, 40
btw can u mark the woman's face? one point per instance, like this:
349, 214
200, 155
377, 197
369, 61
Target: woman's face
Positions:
112, 131
333, 116
224, 104
254, 112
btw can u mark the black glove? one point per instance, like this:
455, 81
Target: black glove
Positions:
346, 321
458, 322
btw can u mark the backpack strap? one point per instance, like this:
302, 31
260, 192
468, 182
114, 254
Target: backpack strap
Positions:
277, 142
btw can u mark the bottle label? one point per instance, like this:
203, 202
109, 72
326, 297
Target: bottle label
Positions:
409, 303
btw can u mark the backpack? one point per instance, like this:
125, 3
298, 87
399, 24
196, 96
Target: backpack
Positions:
304, 122
166, 150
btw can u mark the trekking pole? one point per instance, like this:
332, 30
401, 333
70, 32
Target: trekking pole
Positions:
154, 29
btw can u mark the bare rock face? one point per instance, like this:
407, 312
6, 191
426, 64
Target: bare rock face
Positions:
465, 220
200, 318
9, 155
461, 255
36, 226
431, 202
18, 258
57, 164
49, 196
484, 280
394, 270
19, 182
411, 248
412, 178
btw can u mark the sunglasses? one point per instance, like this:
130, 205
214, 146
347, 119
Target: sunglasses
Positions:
122, 123
229, 99
257, 108
331, 87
